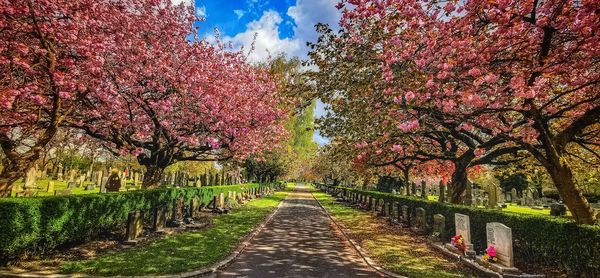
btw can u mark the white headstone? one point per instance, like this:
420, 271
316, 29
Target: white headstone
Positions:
463, 227
500, 236
31, 179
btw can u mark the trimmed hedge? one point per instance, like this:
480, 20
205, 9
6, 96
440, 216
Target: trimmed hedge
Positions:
539, 239
38, 224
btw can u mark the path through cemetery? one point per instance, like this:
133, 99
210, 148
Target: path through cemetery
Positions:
299, 241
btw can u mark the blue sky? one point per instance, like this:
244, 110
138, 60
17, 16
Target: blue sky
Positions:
280, 26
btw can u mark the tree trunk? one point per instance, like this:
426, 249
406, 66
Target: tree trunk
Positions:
562, 176
406, 177
13, 171
152, 177
458, 183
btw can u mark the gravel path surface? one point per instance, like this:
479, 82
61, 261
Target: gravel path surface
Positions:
299, 241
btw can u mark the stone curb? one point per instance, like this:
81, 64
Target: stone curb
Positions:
196, 273
481, 271
356, 247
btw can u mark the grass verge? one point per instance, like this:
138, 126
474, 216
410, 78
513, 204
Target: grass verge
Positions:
186, 251
393, 249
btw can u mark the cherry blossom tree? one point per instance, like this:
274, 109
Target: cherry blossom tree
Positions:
169, 96
526, 71
384, 122
51, 55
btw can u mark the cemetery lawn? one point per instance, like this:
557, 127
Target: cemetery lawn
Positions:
186, 251
394, 249
42, 184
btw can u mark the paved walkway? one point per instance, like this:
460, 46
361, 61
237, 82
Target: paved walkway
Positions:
299, 241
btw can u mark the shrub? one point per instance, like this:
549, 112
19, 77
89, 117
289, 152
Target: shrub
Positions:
38, 224
539, 239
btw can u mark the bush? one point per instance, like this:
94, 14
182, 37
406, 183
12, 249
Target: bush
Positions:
539, 239
36, 225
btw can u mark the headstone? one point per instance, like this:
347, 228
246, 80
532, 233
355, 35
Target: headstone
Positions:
500, 236
160, 219
462, 226
558, 209
61, 192
71, 185
221, 200
468, 193
114, 183
134, 227
99, 176
90, 186
423, 190
439, 227
414, 188
420, 223
59, 175
442, 189
513, 195
493, 197
405, 215
31, 179
103, 184
50, 187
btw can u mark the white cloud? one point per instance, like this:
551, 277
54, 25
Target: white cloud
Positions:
239, 13
307, 13
304, 13
266, 30
201, 11
187, 2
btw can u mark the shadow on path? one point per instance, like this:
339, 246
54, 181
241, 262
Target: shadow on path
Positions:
298, 242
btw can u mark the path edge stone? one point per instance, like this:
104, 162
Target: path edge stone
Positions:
194, 273
356, 246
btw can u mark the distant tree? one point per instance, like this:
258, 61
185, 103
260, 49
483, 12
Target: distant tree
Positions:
517, 181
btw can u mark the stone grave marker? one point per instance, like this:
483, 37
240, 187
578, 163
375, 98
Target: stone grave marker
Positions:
469, 193
71, 185
405, 215
500, 236
558, 209
462, 226
31, 179
442, 189
90, 186
159, 220
61, 192
423, 190
513, 195
114, 183
221, 200
134, 227
99, 176
414, 188
103, 184
420, 223
439, 227
195, 207
50, 187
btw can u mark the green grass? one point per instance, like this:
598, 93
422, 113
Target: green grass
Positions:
512, 208
42, 185
185, 251
393, 249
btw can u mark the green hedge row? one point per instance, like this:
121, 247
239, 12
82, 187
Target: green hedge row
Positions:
538, 239
38, 224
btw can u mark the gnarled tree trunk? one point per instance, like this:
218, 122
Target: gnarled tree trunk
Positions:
561, 174
458, 183
152, 177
